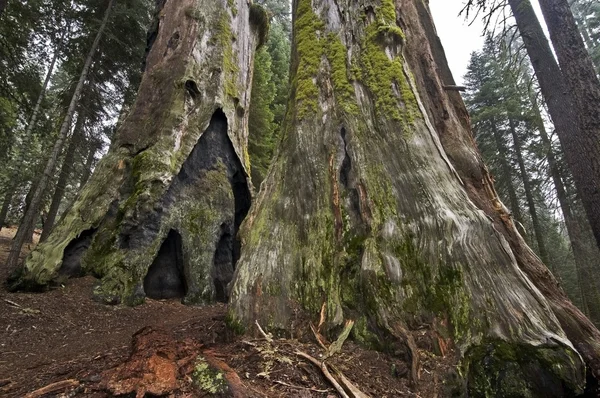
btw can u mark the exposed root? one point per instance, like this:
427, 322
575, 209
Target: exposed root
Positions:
323, 366
401, 333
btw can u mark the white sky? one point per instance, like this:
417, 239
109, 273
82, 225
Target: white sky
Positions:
458, 38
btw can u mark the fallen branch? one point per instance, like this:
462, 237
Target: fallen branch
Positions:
54, 387
267, 337
13, 303
326, 373
348, 384
455, 88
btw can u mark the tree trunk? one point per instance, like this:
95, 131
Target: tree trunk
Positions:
506, 170
364, 213
537, 228
33, 210
38, 103
582, 82
586, 256
8, 197
63, 176
161, 211
89, 162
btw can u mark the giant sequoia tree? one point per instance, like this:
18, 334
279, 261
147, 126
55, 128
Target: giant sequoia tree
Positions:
159, 216
377, 208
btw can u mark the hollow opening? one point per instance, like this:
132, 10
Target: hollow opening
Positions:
165, 278
223, 264
71, 264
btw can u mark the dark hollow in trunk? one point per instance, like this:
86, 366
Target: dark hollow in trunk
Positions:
71, 265
165, 278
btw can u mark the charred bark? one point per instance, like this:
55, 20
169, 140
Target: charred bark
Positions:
394, 221
159, 216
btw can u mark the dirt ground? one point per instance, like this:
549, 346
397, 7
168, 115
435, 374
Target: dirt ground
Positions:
65, 336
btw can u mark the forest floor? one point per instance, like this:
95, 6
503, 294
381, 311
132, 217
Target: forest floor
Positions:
74, 346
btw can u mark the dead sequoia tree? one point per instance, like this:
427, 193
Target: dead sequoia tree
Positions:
159, 215
379, 208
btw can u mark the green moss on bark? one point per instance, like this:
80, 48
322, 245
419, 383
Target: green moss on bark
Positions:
499, 368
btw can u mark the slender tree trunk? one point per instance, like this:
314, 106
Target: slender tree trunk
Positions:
374, 209
585, 252
89, 162
38, 102
507, 171
160, 213
65, 172
33, 210
582, 82
537, 228
8, 197
573, 229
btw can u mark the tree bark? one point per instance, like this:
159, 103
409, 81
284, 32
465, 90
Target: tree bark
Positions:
364, 213
580, 79
160, 213
451, 121
8, 197
537, 228
36, 200
63, 176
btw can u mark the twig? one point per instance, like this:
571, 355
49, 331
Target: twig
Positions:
318, 337
267, 337
300, 387
326, 373
13, 303
54, 387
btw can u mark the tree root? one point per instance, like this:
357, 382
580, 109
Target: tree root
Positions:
323, 366
344, 386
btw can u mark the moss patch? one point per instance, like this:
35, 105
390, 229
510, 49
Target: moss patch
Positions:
208, 379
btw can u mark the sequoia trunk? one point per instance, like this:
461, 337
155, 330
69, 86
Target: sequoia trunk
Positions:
159, 215
394, 221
